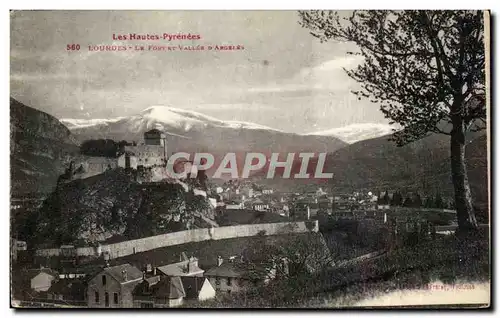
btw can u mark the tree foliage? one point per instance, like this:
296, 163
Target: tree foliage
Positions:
422, 67
426, 70
103, 147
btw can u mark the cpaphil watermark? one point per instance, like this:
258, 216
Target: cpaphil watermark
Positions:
294, 166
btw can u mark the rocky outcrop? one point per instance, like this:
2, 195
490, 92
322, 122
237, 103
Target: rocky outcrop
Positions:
40, 150
114, 204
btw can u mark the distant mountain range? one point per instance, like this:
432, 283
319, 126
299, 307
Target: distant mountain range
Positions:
184, 122
189, 131
357, 132
372, 163
422, 166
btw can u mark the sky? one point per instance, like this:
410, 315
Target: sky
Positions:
284, 78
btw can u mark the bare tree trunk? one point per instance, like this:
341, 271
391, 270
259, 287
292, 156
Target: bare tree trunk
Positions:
463, 198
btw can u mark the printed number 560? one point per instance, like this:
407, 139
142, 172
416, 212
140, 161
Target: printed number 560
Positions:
73, 47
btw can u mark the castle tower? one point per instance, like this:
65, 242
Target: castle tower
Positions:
155, 137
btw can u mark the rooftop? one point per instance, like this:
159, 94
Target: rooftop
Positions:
117, 273
226, 269
181, 268
169, 287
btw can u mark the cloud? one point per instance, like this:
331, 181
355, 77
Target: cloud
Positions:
24, 77
235, 106
327, 76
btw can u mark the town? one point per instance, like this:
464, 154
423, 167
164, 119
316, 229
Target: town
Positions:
191, 266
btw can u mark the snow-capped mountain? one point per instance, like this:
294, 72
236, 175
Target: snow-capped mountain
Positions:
357, 132
190, 131
79, 123
165, 118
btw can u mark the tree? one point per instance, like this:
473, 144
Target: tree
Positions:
417, 201
429, 203
426, 70
386, 198
397, 199
408, 202
292, 257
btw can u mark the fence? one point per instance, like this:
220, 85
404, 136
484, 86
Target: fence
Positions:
197, 235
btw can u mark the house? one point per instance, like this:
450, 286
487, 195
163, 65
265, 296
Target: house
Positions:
70, 273
187, 267
171, 291
69, 291
112, 287
21, 245
232, 276
142, 294
197, 288
260, 205
41, 279
234, 205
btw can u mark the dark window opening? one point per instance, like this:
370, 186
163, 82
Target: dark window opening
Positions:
103, 280
96, 297
106, 299
229, 281
115, 298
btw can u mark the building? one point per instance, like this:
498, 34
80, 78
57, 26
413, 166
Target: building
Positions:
227, 278
260, 205
187, 267
21, 245
232, 276
112, 287
152, 153
92, 166
235, 205
42, 279
168, 291
71, 291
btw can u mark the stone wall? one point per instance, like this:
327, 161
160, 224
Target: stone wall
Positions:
92, 166
182, 237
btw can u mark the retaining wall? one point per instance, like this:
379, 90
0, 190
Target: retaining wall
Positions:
182, 237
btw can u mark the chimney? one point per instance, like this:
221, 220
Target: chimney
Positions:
149, 268
154, 271
219, 260
192, 264
124, 275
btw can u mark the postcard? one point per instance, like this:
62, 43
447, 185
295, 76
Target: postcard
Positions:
250, 159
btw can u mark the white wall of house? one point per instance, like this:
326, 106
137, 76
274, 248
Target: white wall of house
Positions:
207, 291
175, 302
42, 281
